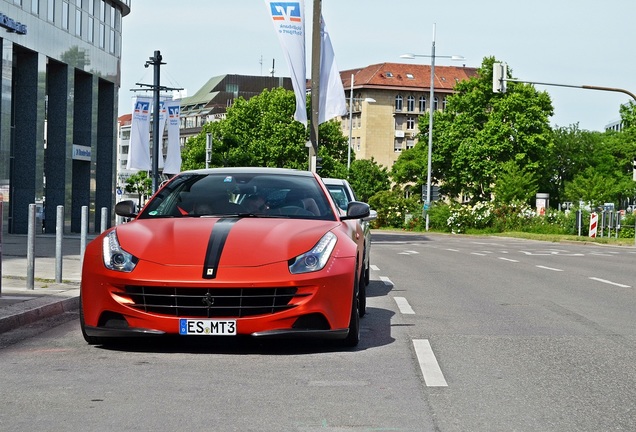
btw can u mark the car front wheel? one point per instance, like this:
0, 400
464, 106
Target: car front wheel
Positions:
353, 337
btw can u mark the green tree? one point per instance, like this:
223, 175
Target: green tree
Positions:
573, 150
480, 130
367, 178
628, 114
593, 186
411, 165
140, 184
261, 131
514, 184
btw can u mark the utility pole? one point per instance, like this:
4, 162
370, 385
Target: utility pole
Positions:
156, 87
315, 82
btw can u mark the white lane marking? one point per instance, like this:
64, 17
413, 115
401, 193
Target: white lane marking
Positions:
610, 282
386, 281
408, 252
433, 375
477, 253
453, 250
404, 306
507, 259
375, 267
548, 268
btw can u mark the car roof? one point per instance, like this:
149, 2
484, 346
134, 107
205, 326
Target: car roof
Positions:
334, 181
253, 170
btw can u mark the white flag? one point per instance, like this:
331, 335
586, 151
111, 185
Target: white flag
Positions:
173, 154
163, 116
139, 148
289, 22
332, 95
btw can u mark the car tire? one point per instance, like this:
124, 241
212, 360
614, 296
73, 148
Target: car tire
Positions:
91, 340
353, 337
362, 297
367, 270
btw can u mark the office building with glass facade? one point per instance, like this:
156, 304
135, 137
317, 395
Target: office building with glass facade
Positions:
58, 109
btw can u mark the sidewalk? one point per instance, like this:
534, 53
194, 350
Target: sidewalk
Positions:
18, 304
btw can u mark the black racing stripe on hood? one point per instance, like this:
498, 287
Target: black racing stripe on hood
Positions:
219, 234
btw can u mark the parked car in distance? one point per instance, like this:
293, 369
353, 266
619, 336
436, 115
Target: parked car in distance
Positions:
342, 193
263, 252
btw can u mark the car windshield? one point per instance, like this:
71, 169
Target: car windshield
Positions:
248, 194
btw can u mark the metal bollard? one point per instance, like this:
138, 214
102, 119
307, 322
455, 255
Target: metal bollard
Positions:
104, 219
30, 276
83, 233
59, 234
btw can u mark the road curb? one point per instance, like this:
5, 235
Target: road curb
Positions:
34, 310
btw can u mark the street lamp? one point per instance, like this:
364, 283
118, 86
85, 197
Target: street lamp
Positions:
430, 119
351, 99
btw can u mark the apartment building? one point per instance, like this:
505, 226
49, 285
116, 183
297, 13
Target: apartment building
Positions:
387, 100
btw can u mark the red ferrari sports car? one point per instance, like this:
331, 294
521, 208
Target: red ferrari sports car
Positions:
226, 252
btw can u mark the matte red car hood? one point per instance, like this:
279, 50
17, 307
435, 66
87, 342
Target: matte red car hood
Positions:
250, 242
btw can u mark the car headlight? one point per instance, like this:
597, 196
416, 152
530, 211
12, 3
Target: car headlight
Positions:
316, 258
115, 258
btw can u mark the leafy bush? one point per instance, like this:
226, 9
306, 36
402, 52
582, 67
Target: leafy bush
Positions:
392, 208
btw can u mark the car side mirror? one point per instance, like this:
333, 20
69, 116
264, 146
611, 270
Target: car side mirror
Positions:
126, 208
373, 215
357, 210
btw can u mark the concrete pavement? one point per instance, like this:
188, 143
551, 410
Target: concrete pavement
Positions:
20, 305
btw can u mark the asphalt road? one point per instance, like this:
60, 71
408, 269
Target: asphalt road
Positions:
462, 334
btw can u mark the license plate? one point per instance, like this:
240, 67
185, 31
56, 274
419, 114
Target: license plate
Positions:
207, 327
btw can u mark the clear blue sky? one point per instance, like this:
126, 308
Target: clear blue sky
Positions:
575, 42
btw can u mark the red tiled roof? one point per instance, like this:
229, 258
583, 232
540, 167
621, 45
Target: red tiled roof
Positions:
124, 119
406, 75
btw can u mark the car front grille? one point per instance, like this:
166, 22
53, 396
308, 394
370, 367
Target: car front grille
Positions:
210, 303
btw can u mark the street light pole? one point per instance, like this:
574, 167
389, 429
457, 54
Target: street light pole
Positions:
350, 126
427, 203
431, 108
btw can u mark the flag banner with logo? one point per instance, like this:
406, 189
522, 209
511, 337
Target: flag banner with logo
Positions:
288, 18
163, 117
173, 153
332, 95
139, 148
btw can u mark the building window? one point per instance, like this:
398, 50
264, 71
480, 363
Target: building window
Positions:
422, 104
397, 145
444, 104
399, 101
410, 143
91, 29
410, 123
435, 103
78, 22
102, 37
410, 103
50, 12
399, 121
35, 6
65, 18
111, 42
